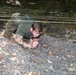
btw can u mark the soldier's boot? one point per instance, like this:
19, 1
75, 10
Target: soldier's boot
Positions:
6, 34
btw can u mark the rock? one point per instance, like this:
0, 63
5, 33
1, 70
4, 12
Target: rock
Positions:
51, 67
3, 43
74, 42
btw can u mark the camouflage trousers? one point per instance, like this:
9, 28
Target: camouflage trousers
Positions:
10, 28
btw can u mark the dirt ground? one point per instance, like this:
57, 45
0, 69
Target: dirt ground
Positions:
53, 56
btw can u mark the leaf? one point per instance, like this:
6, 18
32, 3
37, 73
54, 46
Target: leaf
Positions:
1, 56
31, 73
69, 55
36, 52
13, 54
45, 46
35, 61
16, 72
50, 53
12, 40
59, 50
71, 69
14, 59
3, 44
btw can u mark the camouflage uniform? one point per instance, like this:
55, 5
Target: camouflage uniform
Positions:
15, 23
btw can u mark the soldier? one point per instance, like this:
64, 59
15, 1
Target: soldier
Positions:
26, 28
